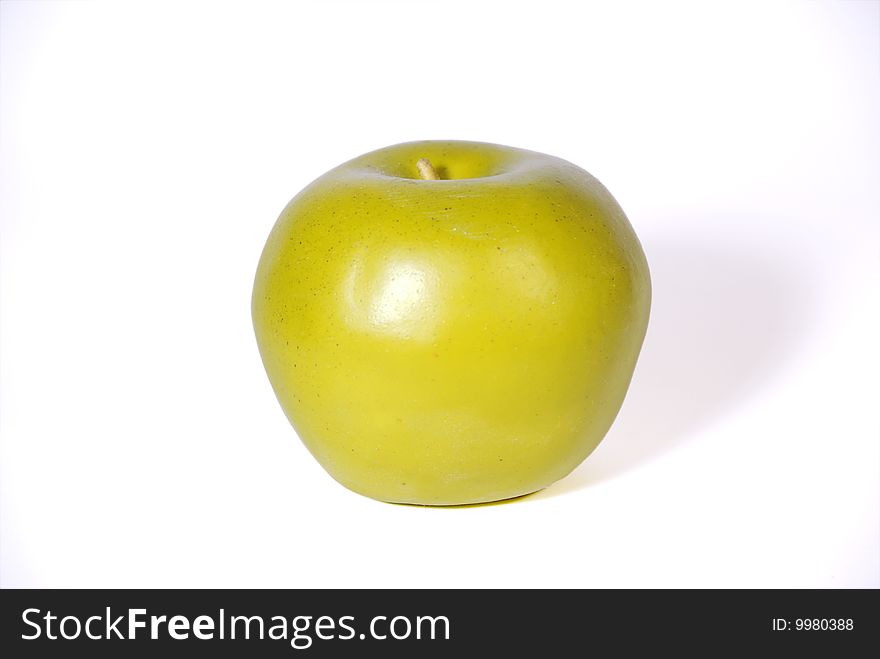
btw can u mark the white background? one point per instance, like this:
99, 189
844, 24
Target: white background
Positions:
147, 149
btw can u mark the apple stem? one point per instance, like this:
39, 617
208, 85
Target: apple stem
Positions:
426, 169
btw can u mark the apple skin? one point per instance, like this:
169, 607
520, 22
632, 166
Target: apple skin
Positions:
452, 341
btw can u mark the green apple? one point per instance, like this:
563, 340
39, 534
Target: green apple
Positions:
451, 322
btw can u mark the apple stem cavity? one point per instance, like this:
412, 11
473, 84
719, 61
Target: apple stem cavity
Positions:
426, 169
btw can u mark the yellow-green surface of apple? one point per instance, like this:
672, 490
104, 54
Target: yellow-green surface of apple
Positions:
449, 322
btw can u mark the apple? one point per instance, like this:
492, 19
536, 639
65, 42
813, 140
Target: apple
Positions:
449, 322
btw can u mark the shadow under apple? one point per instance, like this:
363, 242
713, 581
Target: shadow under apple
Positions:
724, 319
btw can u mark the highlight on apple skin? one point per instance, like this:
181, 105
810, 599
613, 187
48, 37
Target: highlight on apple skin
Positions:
448, 322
